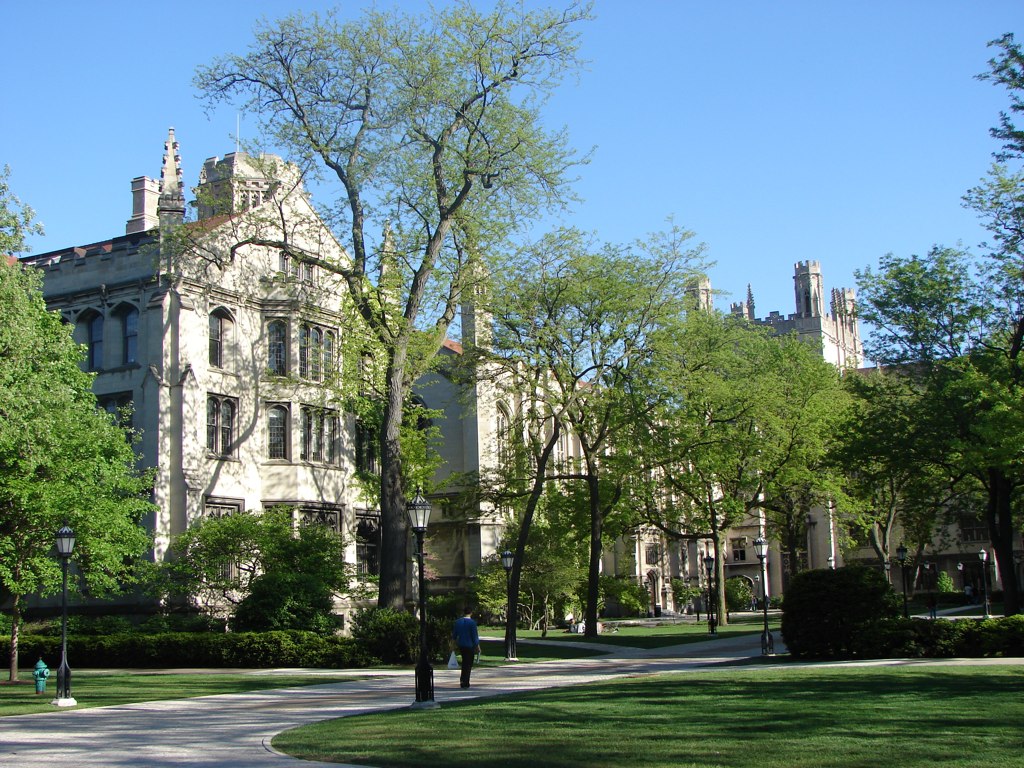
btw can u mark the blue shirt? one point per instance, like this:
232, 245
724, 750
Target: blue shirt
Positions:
464, 633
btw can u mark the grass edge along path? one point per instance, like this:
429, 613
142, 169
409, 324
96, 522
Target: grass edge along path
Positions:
102, 689
956, 716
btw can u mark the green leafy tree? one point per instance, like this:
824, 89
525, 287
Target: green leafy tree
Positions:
261, 569
803, 408
62, 460
17, 220
432, 129
746, 428
1007, 70
574, 323
886, 481
960, 336
738, 594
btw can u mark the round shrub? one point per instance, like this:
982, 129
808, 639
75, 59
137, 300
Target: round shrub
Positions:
386, 634
738, 594
284, 600
838, 613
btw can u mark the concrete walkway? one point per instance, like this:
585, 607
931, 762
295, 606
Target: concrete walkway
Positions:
234, 731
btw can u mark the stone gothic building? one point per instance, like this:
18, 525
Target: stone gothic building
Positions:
224, 349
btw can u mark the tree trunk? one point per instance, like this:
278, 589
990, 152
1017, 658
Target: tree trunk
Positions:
524, 528
15, 636
999, 514
720, 603
594, 571
394, 523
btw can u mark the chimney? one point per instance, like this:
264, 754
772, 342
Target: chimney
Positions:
145, 195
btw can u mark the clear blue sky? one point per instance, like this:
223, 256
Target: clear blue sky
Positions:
776, 131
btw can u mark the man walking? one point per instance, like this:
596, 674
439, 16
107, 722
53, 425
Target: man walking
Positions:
467, 638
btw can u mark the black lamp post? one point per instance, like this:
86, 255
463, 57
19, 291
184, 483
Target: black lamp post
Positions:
65, 546
901, 558
507, 561
983, 556
419, 516
709, 564
767, 642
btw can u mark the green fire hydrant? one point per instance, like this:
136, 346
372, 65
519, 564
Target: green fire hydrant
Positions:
42, 672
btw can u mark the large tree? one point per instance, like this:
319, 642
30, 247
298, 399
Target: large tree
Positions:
744, 431
959, 335
573, 327
431, 130
62, 461
881, 454
955, 323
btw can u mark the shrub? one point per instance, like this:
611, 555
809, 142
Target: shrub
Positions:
1002, 637
198, 649
738, 594
944, 583
447, 607
683, 593
386, 634
838, 613
182, 622
284, 600
631, 596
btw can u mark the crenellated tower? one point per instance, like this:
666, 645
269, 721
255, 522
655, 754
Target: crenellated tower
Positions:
809, 288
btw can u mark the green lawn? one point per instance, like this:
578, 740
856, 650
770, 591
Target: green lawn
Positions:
643, 635
492, 652
800, 717
96, 689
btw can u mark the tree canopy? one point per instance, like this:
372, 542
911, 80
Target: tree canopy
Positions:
430, 129
260, 570
62, 461
16, 219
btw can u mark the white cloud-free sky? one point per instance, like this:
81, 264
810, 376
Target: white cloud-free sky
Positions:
777, 131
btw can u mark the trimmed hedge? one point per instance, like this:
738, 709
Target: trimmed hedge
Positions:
393, 636
837, 613
289, 648
945, 638
853, 612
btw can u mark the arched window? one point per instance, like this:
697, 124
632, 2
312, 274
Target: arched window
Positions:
277, 347
316, 356
220, 336
314, 353
304, 344
503, 423
278, 443
328, 353
220, 424
368, 545
366, 448
93, 323
129, 318
310, 433
320, 428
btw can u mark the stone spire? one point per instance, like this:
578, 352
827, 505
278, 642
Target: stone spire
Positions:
172, 199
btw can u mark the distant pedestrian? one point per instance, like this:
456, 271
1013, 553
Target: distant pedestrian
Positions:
466, 638
969, 593
932, 606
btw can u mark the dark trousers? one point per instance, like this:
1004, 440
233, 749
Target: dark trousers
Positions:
467, 665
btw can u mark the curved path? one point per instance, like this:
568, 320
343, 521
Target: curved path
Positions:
234, 731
